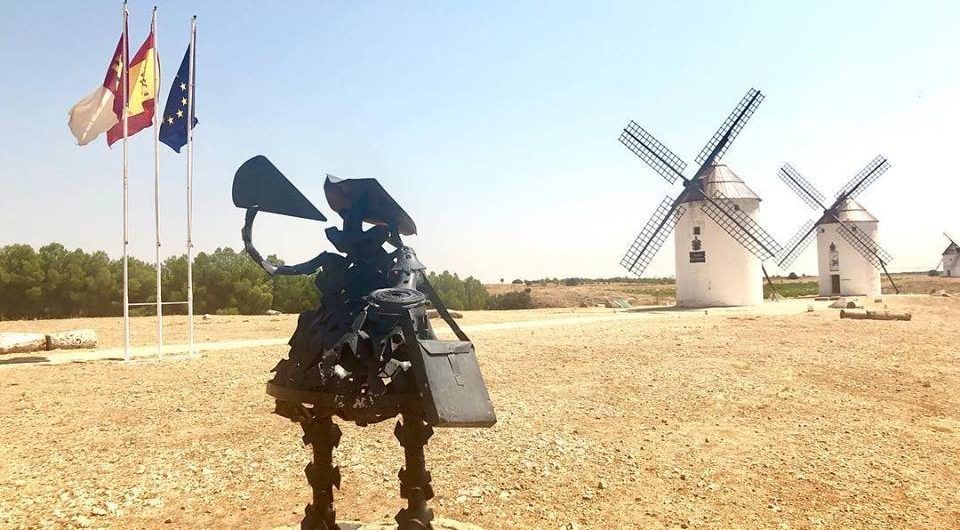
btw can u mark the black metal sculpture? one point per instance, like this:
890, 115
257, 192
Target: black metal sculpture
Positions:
368, 352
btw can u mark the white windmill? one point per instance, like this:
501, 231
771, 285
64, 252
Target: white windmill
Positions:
848, 256
719, 245
951, 258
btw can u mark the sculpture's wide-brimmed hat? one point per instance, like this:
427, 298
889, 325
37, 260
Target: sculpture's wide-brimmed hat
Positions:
374, 203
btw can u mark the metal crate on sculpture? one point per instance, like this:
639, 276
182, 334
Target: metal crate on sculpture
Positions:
368, 352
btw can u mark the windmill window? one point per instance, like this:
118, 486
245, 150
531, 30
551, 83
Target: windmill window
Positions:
696, 230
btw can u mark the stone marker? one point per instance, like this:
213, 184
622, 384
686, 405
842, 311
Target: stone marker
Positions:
22, 342
846, 303
72, 340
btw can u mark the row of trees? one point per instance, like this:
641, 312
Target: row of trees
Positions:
54, 282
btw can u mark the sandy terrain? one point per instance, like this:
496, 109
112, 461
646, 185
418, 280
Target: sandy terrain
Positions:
591, 294
776, 418
598, 293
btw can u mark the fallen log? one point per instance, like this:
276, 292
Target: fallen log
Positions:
72, 340
22, 342
860, 314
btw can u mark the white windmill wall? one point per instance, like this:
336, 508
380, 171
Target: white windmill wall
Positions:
857, 276
729, 275
951, 264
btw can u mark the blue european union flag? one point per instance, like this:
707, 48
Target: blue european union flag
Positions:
173, 129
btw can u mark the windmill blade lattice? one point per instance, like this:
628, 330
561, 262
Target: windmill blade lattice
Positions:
865, 245
950, 239
808, 192
654, 153
740, 226
797, 244
732, 126
862, 180
651, 238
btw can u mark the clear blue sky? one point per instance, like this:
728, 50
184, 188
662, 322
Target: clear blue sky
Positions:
495, 124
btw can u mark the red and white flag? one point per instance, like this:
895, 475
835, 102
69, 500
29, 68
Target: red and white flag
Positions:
102, 108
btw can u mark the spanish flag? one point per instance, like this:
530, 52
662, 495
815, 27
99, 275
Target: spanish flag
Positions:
142, 95
102, 108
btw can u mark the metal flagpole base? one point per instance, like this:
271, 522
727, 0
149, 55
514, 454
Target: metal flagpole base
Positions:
413, 433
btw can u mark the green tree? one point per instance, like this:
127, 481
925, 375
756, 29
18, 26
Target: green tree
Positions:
229, 282
459, 294
21, 282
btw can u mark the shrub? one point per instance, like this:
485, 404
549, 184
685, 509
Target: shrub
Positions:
513, 300
468, 293
793, 276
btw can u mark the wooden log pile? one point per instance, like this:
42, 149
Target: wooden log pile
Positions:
63, 340
861, 314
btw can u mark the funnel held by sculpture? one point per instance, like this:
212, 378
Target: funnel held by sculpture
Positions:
259, 185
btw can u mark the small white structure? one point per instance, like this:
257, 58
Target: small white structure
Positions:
843, 269
951, 260
713, 269
848, 256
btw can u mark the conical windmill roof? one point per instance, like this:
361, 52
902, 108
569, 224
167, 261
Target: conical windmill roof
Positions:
849, 211
952, 248
722, 179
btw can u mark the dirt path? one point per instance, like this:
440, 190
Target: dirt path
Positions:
177, 351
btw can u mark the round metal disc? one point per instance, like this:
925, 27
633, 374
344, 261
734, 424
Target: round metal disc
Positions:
397, 298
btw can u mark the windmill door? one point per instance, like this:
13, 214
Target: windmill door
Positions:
835, 283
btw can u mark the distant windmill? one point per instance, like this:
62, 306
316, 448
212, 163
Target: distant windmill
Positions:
951, 258
719, 246
849, 257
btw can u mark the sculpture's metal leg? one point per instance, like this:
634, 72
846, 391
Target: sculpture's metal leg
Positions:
323, 435
413, 433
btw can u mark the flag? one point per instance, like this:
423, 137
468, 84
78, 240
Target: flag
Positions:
102, 108
142, 92
173, 126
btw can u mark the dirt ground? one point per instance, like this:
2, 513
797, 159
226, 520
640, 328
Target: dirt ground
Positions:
672, 419
591, 294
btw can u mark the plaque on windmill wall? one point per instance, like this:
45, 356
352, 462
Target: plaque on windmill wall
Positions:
697, 255
834, 258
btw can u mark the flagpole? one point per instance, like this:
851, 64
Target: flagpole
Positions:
156, 179
190, 93
124, 74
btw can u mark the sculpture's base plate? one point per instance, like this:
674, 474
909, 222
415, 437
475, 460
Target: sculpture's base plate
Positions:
438, 524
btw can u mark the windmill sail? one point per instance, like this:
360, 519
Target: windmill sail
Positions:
731, 127
798, 243
864, 244
862, 180
740, 226
654, 153
648, 242
806, 191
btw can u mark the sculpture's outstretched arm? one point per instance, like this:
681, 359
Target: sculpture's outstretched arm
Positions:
307, 267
